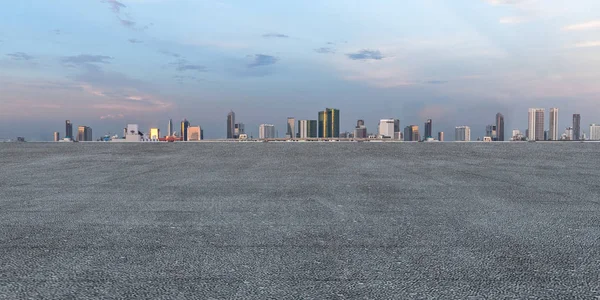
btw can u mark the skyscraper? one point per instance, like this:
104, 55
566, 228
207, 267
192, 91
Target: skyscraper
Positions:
536, 124
184, 129
576, 127
594, 132
428, 129
360, 123
411, 133
68, 129
397, 130
441, 136
194, 133
386, 128
500, 127
553, 133
56, 136
266, 131
329, 123
462, 134
307, 129
84, 134
230, 124
490, 131
238, 129
291, 128
170, 128
154, 134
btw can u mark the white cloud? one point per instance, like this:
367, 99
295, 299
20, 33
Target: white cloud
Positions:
587, 44
583, 26
513, 20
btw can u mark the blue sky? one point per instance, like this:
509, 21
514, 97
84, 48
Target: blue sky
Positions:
108, 63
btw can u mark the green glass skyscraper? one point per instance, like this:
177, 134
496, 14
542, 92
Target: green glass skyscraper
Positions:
329, 123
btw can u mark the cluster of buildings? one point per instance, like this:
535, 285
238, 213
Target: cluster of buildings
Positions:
327, 126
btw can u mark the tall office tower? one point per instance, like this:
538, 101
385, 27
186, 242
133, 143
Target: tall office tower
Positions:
154, 134
386, 128
266, 131
170, 128
500, 127
428, 129
411, 133
291, 128
490, 131
441, 136
360, 123
569, 134
329, 123
184, 128
194, 133
546, 135
307, 129
56, 136
553, 133
576, 127
397, 130
68, 129
594, 132
462, 134
238, 129
84, 134
536, 124
360, 132
230, 124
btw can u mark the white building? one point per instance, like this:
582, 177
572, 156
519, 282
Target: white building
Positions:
594, 132
291, 128
517, 135
536, 124
462, 134
132, 133
266, 131
553, 133
386, 128
194, 133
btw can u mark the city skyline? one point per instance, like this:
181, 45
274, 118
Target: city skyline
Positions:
139, 61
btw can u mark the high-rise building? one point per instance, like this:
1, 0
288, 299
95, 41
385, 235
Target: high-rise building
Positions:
132, 133
56, 136
170, 128
553, 131
184, 129
576, 127
154, 134
569, 134
360, 132
238, 129
536, 124
266, 131
500, 135
441, 136
291, 128
397, 130
194, 133
411, 133
230, 125
360, 123
307, 129
329, 123
386, 128
68, 129
594, 132
84, 134
490, 131
428, 129
462, 134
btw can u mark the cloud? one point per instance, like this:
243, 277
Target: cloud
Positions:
436, 82
365, 55
587, 44
112, 117
135, 41
260, 60
274, 35
169, 53
183, 65
583, 26
20, 56
83, 59
127, 23
115, 5
325, 50
513, 20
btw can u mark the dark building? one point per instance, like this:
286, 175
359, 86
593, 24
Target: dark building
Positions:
500, 127
539, 124
68, 129
411, 133
329, 123
428, 129
576, 127
230, 125
184, 129
360, 123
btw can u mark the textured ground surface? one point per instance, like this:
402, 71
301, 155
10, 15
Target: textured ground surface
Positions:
299, 220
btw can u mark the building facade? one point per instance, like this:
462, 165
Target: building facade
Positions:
411, 133
56, 136
170, 128
491, 132
184, 129
329, 123
553, 130
500, 135
594, 132
84, 134
386, 128
536, 124
266, 131
154, 134
576, 127
428, 129
230, 125
441, 136
291, 128
307, 129
238, 129
194, 133
462, 134
68, 129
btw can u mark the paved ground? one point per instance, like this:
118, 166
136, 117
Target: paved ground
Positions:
300, 220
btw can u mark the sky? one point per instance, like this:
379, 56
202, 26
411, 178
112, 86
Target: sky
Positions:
106, 63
